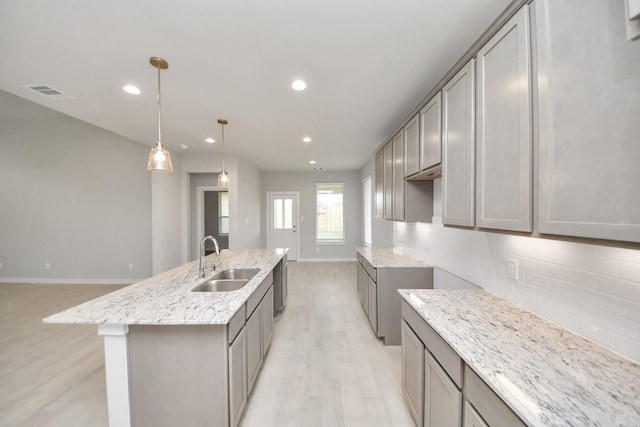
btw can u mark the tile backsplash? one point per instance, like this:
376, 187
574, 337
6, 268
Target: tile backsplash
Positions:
590, 289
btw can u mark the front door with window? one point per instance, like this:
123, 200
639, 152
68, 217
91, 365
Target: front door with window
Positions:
282, 217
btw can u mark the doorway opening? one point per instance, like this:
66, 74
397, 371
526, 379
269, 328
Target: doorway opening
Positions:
282, 222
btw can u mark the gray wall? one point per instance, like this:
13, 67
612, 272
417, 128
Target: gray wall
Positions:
305, 184
73, 195
381, 229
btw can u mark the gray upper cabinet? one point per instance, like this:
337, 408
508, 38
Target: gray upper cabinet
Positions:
398, 176
589, 121
431, 133
412, 146
503, 128
379, 171
388, 180
458, 162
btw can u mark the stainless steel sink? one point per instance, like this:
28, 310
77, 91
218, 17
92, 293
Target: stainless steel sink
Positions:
221, 285
236, 274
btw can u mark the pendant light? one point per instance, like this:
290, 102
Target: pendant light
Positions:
223, 178
159, 158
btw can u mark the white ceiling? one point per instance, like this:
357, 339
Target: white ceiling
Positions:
367, 64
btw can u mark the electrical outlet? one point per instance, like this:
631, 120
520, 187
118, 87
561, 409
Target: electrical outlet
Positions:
130, 266
317, 248
512, 269
47, 265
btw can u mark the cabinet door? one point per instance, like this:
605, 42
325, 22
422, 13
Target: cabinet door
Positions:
458, 149
471, 417
267, 320
388, 180
237, 377
412, 146
360, 272
365, 292
412, 370
442, 399
589, 121
254, 345
503, 128
398, 176
431, 133
285, 283
373, 304
379, 183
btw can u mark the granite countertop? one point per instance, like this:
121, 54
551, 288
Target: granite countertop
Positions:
390, 258
166, 299
546, 374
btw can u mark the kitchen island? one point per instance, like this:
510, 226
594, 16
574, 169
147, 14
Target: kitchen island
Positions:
178, 357
500, 365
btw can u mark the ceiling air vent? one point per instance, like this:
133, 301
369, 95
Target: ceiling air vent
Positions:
48, 91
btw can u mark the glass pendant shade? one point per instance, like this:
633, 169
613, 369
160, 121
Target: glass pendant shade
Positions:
159, 159
223, 179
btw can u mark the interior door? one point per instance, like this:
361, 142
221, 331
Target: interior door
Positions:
282, 217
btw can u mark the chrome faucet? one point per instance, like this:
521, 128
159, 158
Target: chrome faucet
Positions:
203, 265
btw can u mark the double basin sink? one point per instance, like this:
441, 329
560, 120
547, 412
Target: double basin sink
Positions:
227, 280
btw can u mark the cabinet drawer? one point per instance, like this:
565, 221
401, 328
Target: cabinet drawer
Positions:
444, 354
235, 324
371, 270
490, 407
257, 295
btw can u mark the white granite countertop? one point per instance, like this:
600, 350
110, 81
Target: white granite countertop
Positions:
546, 374
390, 258
167, 299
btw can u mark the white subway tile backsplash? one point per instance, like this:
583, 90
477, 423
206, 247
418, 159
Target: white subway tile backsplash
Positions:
629, 271
592, 290
621, 288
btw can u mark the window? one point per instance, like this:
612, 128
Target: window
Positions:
367, 208
330, 213
223, 212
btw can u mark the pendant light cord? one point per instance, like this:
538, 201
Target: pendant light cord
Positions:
159, 110
223, 169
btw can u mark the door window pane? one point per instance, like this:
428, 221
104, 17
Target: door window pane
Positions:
283, 214
223, 212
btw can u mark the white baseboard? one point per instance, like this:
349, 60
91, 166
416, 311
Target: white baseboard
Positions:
49, 281
326, 259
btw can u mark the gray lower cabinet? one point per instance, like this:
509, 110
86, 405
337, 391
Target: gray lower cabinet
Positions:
447, 382
412, 371
458, 148
267, 321
442, 398
504, 188
280, 285
254, 345
373, 303
259, 328
588, 78
471, 417
378, 294
237, 377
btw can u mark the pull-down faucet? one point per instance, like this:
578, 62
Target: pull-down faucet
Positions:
203, 266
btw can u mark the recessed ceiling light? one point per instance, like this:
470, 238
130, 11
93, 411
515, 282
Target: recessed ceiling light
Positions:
210, 140
184, 146
312, 162
131, 89
306, 139
299, 85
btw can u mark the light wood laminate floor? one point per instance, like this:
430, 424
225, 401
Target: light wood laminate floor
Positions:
324, 367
